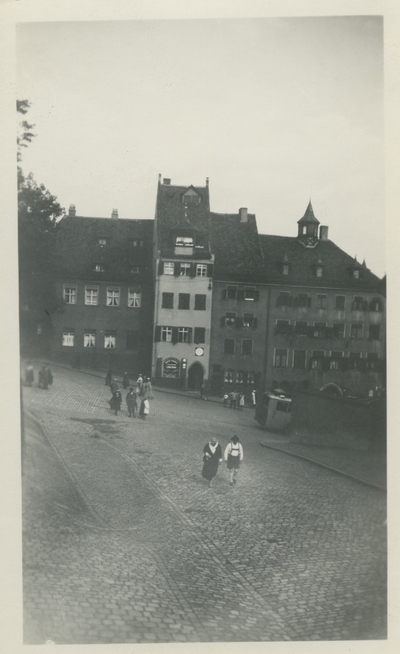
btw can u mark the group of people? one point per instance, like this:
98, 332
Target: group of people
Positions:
236, 400
45, 377
212, 457
141, 390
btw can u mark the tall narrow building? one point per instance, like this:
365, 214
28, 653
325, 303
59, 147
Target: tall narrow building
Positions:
183, 272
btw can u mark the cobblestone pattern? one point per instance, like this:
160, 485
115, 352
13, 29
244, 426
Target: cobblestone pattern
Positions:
298, 550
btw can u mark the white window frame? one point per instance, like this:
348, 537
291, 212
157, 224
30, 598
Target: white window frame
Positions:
280, 357
68, 338
102, 242
89, 339
167, 332
183, 334
110, 341
91, 292
113, 293
185, 269
249, 289
99, 267
201, 270
70, 293
184, 242
134, 299
322, 301
169, 268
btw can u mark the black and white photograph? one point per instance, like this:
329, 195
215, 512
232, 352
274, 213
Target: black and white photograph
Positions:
201, 294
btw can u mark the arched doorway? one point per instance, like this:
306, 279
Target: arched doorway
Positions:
195, 377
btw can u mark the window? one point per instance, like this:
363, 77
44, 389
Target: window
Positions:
229, 346
138, 243
354, 358
318, 271
231, 292
91, 295
285, 269
201, 270
358, 303
199, 335
99, 267
317, 360
191, 196
134, 298
228, 377
166, 334
322, 301
230, 319
338, 330
356, 330
89, 339
200, 302
334, 364
375, 304
167, 301
102, 242
284, 299
299, 359
303, 300
113, 295
249, 293
374, 332
282, 327
247, 346
356, 274
281, 358
240, 377
169, 268
248, 320
372, 361
110, 340
185, 269
251, 377
319, 329
184, 301
68, 338
339, 302
70, 294
183, 335
135, 270
301, 328
184, 241
132, 340
39, 329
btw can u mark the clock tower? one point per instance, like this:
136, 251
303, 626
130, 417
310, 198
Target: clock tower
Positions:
308, 228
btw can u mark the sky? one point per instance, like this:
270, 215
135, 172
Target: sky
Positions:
274, 111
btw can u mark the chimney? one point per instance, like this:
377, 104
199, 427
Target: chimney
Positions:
243, 214
323, 233
159, 178
114, 214
207, 180
72, 210
166, 181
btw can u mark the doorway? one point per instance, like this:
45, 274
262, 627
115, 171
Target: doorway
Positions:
195, 377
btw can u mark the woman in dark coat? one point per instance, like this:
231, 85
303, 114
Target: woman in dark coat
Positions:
115, 402
125, 380
212, 458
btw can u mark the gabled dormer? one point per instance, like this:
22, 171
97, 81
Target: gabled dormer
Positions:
308, 228
191, 196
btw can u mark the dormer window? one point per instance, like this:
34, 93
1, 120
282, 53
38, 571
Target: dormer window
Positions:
102, 242
285, 269
138, 243
356, 274
99, 267
184, 241
191, 197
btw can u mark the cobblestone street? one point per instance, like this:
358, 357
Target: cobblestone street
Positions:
125, 543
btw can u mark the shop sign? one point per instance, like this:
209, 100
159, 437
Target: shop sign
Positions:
171, 368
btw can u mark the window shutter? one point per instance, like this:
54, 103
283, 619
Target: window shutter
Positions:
160, 267
157, 336
224, 294
190, 334
202, 336
256, 295
159, 367
365, 305
177, 269
193, 270
222, 321
210, 270
240, 295
174, 338
254, 323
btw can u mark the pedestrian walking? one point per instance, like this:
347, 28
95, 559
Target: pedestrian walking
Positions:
253, 397
114, 386
146, 408
29, 374
230, 400
125, 380
212, 457
140, 382
241, 401
49, 376
109, 377
233, 455
115, 402
131, 402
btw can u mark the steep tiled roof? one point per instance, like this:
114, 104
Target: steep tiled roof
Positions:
78, 249
337, 265
173, 214
236, 245
309, 216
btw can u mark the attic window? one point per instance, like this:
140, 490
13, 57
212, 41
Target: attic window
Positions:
285, 269
135, 270
318, 271
192, 197
356, 274
184, 241
99, 267
138, 243
102, 241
